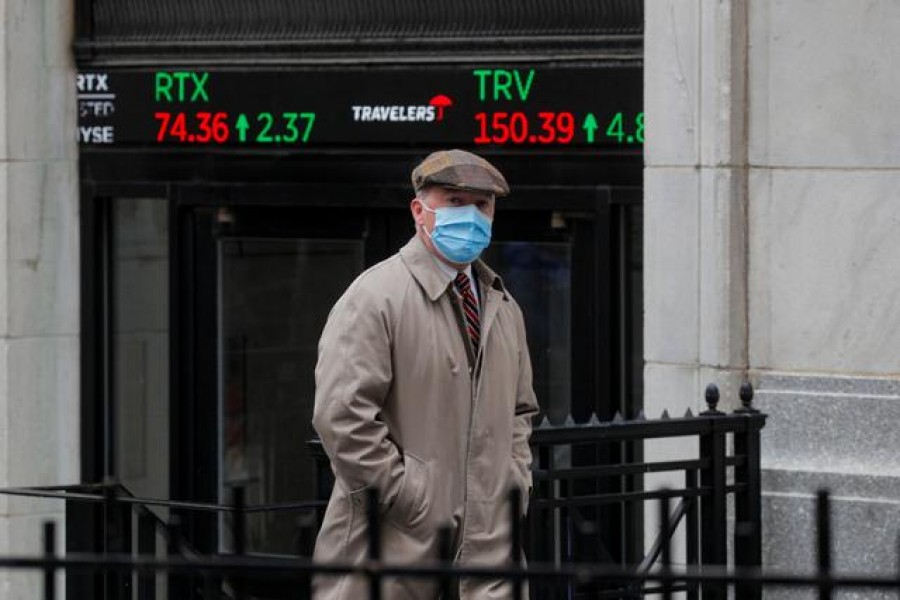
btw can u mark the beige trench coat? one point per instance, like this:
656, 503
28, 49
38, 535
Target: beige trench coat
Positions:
405, 404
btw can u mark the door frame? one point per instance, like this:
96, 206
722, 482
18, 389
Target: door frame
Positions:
190, 369
185, 199
588, 207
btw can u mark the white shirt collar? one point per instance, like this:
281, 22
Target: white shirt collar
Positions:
450, 273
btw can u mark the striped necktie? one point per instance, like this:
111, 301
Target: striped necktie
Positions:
470, 308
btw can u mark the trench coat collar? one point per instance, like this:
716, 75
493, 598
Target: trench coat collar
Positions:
421, 264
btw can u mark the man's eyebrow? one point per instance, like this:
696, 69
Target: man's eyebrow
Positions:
462, 198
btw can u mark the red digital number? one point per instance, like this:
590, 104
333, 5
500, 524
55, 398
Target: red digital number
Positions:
211, 127
178, 129
220, 127
163, 118
205, 126
504, 128
171, 127
518, 128
548, 131
565, 124
500, 127
482, 137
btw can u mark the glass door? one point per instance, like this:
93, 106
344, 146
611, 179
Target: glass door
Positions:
256, 284
274, 297
538, 273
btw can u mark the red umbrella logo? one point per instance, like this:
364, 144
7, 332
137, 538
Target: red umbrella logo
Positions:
440, 102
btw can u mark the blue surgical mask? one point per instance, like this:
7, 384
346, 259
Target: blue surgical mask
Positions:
460, 232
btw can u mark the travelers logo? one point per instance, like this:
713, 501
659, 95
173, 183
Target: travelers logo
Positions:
440, 102
433, 111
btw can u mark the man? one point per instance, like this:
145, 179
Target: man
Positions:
423, 391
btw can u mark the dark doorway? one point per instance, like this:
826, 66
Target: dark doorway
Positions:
258, 286
244, 276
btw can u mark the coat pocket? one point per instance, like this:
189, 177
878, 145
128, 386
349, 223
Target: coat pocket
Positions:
357, 512
410, 506
524, 487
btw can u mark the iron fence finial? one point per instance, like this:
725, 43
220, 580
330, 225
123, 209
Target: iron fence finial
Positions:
746, 394
712, 400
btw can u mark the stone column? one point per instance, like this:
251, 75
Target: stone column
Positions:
824, 264
39, 272
695, 182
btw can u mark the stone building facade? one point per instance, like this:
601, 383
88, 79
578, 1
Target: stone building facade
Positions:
39, 272
772, 165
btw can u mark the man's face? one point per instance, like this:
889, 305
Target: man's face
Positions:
437, 197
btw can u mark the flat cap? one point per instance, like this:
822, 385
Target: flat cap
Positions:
461, 170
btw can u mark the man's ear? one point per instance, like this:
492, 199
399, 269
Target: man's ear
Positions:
415, 207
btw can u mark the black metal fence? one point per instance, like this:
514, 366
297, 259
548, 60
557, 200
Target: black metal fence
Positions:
590, 481
577, 491
221, 576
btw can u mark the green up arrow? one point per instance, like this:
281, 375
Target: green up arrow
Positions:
590, 126
242, 125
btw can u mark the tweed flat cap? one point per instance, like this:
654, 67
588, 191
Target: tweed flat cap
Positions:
461, 170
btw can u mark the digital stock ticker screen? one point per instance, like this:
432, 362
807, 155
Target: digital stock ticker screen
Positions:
476, 106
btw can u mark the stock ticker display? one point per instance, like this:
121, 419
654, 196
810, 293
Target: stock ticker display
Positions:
296, 109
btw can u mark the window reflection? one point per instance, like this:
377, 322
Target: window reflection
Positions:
539, 276
275, 296
139, 257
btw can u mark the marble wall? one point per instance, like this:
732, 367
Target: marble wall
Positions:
825, 167
694, 213
39, 272
826, 164
772, 164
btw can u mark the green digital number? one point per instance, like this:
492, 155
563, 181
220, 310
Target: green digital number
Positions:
615, 128
264, 136
310, 118
293, 134
639, 132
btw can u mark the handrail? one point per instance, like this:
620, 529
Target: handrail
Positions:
39, 492
665, 536
621, 430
